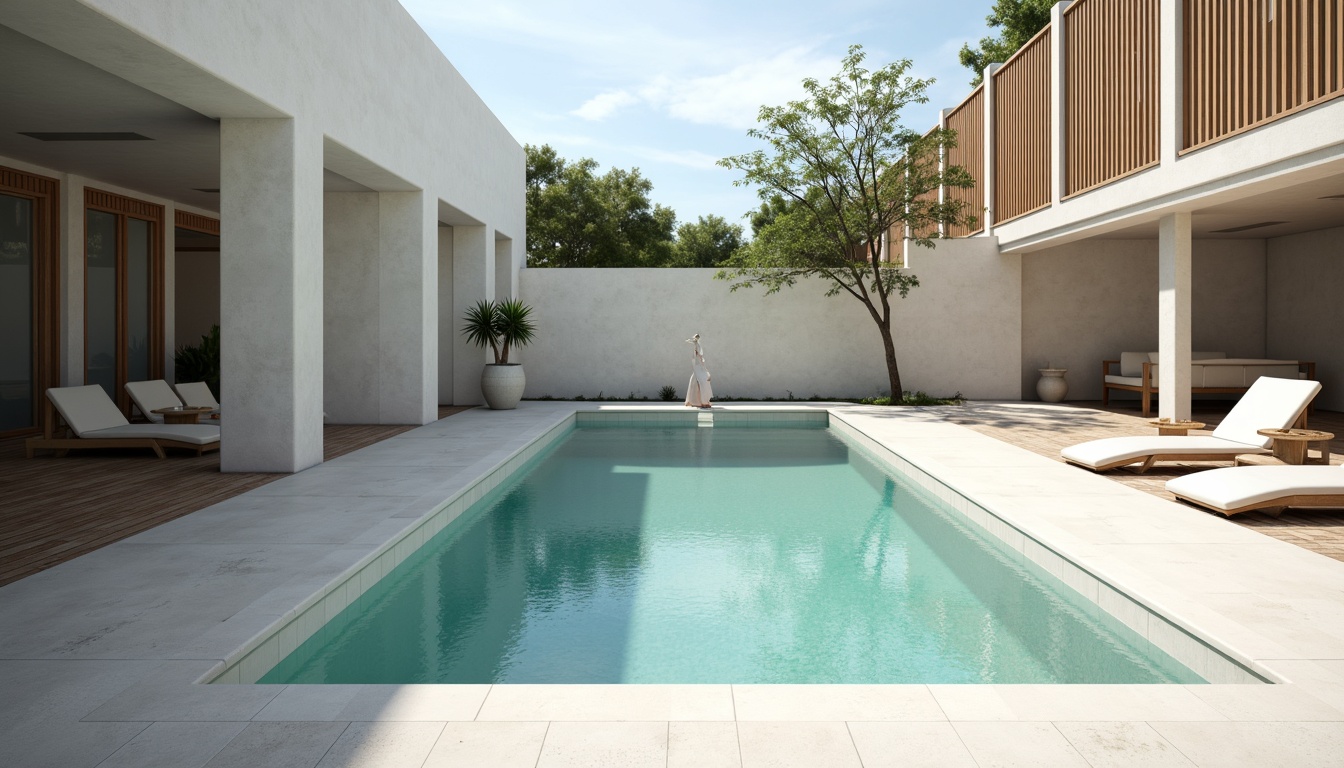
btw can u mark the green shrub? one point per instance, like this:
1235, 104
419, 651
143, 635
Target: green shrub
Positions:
667, 393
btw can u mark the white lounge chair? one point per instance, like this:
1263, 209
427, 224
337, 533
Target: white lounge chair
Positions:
1269, 404
151, 395
1232, 490
97, 423
197, 394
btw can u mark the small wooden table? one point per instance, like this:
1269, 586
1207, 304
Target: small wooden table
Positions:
1179, 428
1290, 445
182, 414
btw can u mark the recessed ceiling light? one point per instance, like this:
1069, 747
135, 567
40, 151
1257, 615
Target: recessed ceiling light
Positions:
86, 136
1230, 230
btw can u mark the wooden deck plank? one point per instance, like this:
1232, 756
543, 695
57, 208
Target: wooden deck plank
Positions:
56, 509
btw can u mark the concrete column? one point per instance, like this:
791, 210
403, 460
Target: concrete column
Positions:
448, 323
408, 308
1173, 316
987, 178
473, 280
1058, 163
350, 331
72, 281
169, 293
270, 295
1171, 36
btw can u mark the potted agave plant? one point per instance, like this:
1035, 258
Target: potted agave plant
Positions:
500, 325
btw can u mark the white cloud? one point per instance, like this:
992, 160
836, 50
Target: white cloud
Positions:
604, 105
733, 98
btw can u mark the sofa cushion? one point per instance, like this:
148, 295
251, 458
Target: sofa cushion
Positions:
1131, 363
1133, 381
1153, 356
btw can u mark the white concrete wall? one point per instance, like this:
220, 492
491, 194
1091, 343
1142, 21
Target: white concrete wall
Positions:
1306, 306
622, 330
350, 328
1087, 302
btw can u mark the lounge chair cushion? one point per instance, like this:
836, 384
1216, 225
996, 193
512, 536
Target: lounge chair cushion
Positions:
1108, 451
197, 394
86, 408
195, 434
1270, 403
1238, 487
151, 395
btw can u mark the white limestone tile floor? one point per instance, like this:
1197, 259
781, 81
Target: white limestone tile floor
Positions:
99, 656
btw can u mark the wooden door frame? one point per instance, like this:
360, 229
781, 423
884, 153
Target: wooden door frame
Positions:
129, 208
45, 193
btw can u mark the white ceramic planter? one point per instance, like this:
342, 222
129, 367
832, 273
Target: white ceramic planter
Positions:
503, 385
1052, 387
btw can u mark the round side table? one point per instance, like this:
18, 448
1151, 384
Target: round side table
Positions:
1290, 445
1179, 428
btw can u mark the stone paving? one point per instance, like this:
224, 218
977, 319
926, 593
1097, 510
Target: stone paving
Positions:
1044, 429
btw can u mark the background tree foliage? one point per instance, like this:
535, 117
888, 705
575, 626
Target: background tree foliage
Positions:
576, 218
1020, 20
840, 173
709, 242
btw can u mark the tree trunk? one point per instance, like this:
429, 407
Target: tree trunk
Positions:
893, 370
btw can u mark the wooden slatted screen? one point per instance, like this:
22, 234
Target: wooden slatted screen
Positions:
929, 197
968, 120
1250, 62
1111, 112
1022, 131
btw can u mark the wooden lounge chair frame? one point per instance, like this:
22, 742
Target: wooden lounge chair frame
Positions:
59, 437
1277, 506
1148, 388
1149, 461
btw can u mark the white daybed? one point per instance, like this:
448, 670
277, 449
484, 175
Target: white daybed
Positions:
1210, 373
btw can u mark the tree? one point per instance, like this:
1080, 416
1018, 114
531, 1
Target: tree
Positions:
770, 210
849, 172
576, 218
709, 242
1020, 21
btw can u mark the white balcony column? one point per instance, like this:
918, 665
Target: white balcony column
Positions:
942, 168
1173, 316
1058, 73
1171, 90
408, 308
270, 295
473, 281
987, 178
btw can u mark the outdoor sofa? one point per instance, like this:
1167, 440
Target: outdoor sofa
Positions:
89, 419
1210, 373
1269, 403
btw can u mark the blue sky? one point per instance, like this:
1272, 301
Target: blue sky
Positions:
671, 88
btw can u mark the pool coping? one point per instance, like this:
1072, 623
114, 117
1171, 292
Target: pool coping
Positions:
1279, 608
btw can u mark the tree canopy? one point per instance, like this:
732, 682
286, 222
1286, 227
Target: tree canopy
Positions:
840, 173
1020, 20
578, 218
710, 241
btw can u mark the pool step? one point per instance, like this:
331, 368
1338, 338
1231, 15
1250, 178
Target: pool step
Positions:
704, 419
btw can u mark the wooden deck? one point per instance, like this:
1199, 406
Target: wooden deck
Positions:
56, 509
1046, 429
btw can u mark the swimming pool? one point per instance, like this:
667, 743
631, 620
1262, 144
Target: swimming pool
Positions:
728, 554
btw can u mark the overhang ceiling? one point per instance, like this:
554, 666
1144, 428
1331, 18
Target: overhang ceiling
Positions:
43, 90
1303, 207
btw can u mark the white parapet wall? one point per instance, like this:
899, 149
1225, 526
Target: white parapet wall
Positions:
622, 331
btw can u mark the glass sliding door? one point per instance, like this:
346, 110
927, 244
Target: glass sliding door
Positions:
123, 292
29, 333
17, 331
100, 301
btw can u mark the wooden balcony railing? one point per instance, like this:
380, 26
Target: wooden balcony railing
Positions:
968, 120
1022, 131
1249, 62
1111, 112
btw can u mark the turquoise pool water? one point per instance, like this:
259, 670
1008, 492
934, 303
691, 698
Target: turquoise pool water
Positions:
718, 555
